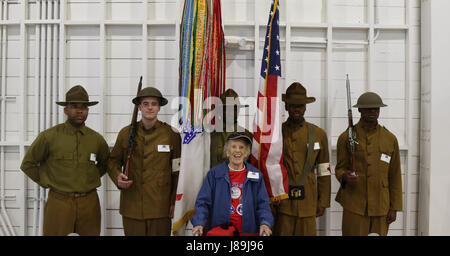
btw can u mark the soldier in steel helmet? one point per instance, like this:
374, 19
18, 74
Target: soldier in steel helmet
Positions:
226, 123
372, 196
147, 195
69, 159
306, 157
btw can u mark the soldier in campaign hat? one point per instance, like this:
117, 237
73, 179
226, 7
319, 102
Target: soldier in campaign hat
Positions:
306, 158
372, 196
226, 123
147, 195
69, 159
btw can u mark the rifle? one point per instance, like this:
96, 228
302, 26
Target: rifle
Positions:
351, 132
131, 141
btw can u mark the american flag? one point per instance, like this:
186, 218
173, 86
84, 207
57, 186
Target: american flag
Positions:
267, 149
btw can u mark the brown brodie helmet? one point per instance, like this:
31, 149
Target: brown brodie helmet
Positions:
150, 92
369, 100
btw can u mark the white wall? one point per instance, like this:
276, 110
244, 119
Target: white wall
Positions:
107, 45
434, 207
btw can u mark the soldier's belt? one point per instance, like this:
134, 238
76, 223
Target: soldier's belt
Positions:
72, 194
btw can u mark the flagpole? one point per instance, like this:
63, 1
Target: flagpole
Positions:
275, 5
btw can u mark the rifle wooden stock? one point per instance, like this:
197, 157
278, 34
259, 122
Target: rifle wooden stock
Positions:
132, 135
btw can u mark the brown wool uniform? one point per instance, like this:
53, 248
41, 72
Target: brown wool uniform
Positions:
379, 187
153, 169
218, 140
298, 217
70, 162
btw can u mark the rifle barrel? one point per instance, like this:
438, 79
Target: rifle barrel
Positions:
349, 99
351, 134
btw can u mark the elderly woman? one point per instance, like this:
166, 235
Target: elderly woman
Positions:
234, 191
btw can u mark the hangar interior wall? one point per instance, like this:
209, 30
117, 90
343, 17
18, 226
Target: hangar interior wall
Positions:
48, 46
434, 179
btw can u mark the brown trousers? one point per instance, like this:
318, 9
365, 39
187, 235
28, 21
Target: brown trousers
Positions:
357, 225
286, 225
146, 227
65, 214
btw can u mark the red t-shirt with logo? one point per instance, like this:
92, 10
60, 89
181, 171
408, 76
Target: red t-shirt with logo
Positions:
237, 179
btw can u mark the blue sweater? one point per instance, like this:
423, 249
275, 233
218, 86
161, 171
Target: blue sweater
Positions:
214, 199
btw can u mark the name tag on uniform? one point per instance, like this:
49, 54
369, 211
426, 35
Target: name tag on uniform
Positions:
316, 145
163, 148
93, 158
253, 175
385, 158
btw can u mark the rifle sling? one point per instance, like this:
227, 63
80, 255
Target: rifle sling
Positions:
309, 156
